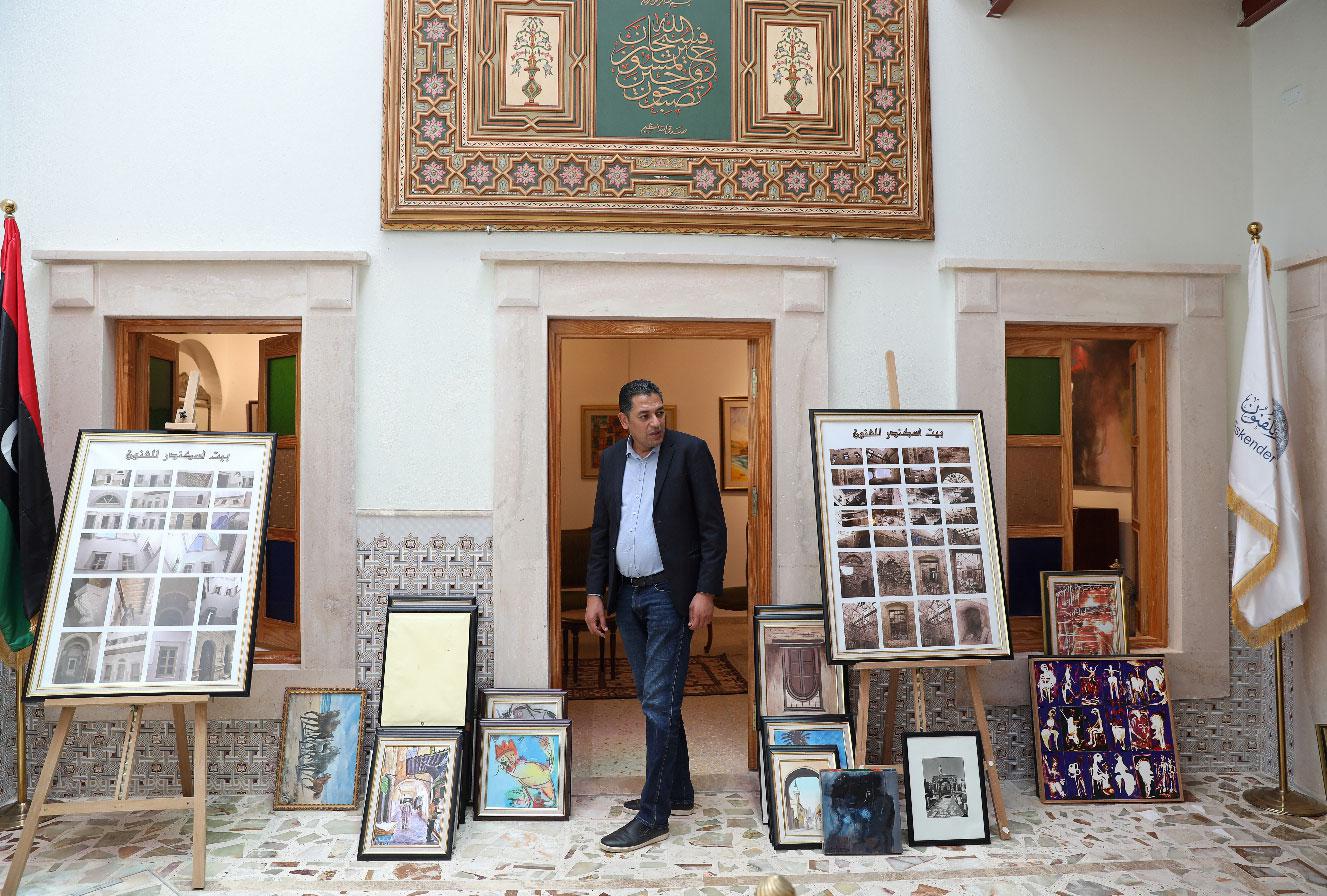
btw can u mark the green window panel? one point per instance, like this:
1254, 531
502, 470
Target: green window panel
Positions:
281, 374
160, 392
1032, 396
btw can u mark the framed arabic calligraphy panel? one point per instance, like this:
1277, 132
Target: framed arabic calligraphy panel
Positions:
804, 117
909, 548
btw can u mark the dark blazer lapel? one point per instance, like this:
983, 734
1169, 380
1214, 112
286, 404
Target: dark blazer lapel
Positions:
666, 452
617, 463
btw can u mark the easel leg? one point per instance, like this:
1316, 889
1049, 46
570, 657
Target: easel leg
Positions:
918, 700
863, 713
200, 795
20, 858
182, 751
127, 748
992, 772
891, 712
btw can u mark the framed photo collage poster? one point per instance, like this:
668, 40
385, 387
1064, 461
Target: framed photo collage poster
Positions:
156, 567
909, 549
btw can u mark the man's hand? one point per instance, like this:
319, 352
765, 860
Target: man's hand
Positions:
596, 617
702, 611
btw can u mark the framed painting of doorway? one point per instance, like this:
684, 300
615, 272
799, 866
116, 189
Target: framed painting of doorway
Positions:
734, 443
909, 549
155, 577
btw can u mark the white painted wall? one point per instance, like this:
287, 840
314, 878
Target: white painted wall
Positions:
1289, 84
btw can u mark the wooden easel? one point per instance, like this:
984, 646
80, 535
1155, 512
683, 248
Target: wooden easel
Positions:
193, 789
894, 667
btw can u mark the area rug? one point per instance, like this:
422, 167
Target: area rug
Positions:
707, 676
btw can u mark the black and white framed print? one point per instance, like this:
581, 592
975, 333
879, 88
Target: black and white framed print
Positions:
946, 788
795, 807
909, 548
411, 801
157, 566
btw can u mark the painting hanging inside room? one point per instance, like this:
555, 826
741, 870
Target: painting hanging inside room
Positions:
736, 116
1101, 413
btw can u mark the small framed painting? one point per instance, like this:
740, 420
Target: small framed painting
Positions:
794, 674
735, 443
321, 735
428, 664
834, 732
410, 804
946, 788
861, 812
601, 428
794, 806
1322, 752
1083, 613
524, 705
1105, 732
524, 770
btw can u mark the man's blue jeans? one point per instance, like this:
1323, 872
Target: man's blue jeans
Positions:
658, 645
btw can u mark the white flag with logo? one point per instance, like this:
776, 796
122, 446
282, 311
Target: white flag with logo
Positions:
1269, 585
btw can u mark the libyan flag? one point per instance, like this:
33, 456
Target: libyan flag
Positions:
27, 523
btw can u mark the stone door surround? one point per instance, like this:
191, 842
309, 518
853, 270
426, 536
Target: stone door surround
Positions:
529, 289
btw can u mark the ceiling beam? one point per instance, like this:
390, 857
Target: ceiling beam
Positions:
1257, 9
999, 6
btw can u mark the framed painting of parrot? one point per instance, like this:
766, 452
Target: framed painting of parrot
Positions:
410, 804
524, 769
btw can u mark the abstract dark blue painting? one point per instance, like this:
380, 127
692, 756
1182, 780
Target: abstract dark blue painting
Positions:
861, 812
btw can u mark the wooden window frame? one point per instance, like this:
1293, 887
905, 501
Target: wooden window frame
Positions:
1150, 510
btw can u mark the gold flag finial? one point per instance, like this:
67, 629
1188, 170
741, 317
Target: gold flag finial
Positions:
8, 206
1255, 230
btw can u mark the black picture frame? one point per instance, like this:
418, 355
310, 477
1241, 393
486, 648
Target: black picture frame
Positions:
486, 696
768, 755
836, 720
762, 610
484, 727
412, 607
65, 526
451, 734
995, 573
840, 672
912, 793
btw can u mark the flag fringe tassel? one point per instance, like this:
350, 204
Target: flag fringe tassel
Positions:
1265, 634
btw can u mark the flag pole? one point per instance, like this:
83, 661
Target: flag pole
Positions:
15, 814
1281, 799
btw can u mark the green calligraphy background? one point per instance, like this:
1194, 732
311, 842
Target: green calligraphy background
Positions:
663, 54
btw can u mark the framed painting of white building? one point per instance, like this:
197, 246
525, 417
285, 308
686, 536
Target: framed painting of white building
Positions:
909, 547
157, 566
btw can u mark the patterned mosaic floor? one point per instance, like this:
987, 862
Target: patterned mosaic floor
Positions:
1212, 844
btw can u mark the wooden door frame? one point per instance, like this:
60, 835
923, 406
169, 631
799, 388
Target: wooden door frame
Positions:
759, 336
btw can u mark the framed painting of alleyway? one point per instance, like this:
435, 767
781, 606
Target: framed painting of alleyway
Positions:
721, 116
157, 566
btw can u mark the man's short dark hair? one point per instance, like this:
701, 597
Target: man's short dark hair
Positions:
634, 388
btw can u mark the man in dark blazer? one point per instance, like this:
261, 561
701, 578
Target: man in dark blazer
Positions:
657, 548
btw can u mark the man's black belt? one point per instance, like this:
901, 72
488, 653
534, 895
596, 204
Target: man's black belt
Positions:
647, 581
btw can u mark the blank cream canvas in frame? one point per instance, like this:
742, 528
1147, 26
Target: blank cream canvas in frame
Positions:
428, 664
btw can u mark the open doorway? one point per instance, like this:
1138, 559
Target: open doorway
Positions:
711, 375
248, 382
